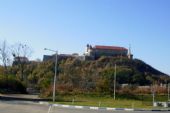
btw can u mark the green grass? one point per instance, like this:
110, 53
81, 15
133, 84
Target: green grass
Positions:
121, 101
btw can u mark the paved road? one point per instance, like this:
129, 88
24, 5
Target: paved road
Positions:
6, 107
9, 107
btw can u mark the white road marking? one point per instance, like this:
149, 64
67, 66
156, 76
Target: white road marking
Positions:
110, 109
129, 109
94, 108
65, 106
79, 107
55, 105
49, 110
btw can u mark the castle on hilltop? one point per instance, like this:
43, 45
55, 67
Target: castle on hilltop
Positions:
94, 53
97, 51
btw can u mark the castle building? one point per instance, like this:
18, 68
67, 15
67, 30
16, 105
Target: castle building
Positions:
97, 51
93, 53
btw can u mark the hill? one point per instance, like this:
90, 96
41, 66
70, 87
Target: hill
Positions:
96, 76
128, 71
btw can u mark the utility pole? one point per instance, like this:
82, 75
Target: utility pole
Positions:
55, 76
168, 91
115, 83
153, 95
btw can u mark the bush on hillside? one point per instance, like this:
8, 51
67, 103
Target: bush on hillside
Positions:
11, 85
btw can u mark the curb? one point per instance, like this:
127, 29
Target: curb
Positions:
99, 108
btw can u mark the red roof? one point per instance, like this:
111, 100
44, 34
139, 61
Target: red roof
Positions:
110, 47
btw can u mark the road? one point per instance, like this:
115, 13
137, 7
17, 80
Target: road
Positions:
10, 107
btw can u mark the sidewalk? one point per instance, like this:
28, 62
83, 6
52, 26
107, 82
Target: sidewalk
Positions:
21, 97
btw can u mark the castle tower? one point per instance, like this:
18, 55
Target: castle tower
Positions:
88, 50
130, 55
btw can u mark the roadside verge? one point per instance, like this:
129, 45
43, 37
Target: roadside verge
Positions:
99, 108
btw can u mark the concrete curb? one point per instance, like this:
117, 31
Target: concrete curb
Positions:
99, 108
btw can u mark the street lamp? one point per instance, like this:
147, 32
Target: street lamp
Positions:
168, 91
115, 83
153, 95
54, 85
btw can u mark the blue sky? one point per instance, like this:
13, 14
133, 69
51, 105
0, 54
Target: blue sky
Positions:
68, 25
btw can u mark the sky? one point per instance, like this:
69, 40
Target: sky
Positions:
69, 25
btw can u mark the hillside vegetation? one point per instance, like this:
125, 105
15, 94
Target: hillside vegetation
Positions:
75, 76
86, 77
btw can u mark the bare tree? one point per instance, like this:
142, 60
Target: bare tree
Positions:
21, 53
21, 50
5, 56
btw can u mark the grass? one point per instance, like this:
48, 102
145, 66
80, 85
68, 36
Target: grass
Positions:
138, 101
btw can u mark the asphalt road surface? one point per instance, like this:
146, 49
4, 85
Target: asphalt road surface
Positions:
10, 107
6, 107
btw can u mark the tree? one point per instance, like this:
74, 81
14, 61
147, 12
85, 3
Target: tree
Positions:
5, 56
123, 75
21, 52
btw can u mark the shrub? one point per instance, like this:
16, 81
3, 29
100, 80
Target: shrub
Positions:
11, 85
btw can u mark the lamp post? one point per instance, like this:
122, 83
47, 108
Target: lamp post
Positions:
168, 91
153, 94
115, 83
55, 76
